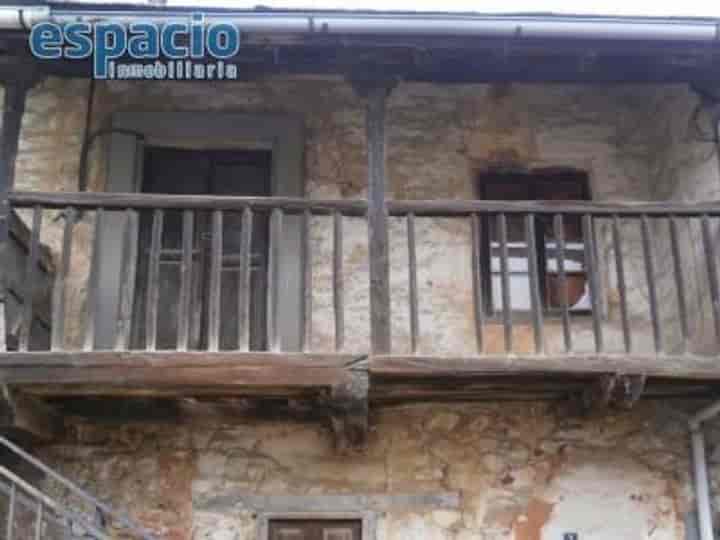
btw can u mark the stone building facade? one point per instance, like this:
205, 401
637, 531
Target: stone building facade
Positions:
635, 143
485, 471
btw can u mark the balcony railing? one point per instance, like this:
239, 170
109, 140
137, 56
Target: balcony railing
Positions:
544, 278
650, 272
215, 236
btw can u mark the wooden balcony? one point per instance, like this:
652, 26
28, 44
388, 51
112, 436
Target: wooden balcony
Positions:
178, 300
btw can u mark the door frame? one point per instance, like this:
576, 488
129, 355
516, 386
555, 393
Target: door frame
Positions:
282, 134
367, 519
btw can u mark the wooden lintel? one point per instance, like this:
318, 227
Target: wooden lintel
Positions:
348, 412
26, 417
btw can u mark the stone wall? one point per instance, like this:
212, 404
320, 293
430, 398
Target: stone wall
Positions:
440, 137
475, 471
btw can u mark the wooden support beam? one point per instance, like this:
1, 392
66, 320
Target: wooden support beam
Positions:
13, 109
375, 91
27, 417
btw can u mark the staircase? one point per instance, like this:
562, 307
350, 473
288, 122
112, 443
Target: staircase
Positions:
28, 513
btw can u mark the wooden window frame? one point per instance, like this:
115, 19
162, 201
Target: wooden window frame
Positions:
533, 178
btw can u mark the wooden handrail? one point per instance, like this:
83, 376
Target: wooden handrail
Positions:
452, 208
421, 208
291, 205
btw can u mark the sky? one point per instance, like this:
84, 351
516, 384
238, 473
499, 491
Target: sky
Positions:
663, 8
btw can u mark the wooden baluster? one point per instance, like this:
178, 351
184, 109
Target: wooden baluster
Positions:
153, 280
622, 289
276, 229
244, 276
679, 283
31, 271
93, 283
594, 281
216, 254
307, 282
57, 340
185, 300
477, 287
712, 271
505, 282
534, 282
412, 284
559, 230
127, 288
338, 292
649, 261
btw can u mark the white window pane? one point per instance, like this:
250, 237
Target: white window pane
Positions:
519, 292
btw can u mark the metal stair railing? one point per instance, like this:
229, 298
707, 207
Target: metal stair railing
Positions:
19, 489
20, 493
39, 521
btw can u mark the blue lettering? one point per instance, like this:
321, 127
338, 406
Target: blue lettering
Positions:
223, 40
146, 43
78, 39
46, 41
110, 42
197, 36
168, 45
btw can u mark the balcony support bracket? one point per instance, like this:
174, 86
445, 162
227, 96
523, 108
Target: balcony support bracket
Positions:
613, 391
348, 412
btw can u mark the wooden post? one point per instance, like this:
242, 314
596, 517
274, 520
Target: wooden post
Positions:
376, 92
13, 109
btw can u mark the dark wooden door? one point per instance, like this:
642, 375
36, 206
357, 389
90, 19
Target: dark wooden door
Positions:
191, 172
315, 530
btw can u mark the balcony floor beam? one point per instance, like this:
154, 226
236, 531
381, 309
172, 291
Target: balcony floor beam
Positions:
662, 366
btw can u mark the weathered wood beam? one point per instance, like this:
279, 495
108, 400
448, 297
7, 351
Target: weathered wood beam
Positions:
27, 417
375, 92
13, 109
150, 201
168, 370
650, 365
